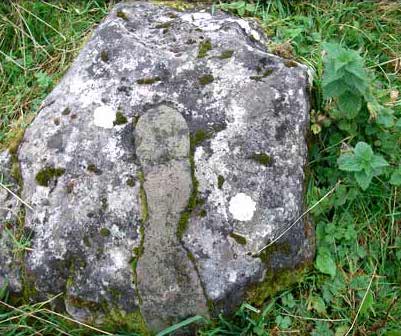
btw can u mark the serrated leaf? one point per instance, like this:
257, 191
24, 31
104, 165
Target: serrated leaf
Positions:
350, 104
348, 162
396, 177
363, 152
325, 264
363, 179
385, 117
378, 162
333, 89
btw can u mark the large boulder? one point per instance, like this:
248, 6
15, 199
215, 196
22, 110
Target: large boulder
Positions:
167, 158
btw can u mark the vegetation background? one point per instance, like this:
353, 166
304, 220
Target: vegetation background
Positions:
354, 49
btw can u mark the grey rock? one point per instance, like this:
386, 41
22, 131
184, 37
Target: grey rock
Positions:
116, 128
10, 228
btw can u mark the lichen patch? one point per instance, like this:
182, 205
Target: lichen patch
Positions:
104, 116
242, 207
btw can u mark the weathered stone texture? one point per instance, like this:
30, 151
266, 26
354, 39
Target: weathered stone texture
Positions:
169, 154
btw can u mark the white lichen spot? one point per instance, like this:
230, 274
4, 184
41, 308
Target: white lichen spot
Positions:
242, 207
104, 116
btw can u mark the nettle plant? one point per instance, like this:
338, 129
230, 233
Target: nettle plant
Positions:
348, 90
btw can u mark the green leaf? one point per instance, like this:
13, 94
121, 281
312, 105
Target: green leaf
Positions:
363, 152
385, 117
325, 264
288, 300
378, 162
367, 304
363, 179
350, 104
348, 162
316, 303
180, 325
396, 177
333, 88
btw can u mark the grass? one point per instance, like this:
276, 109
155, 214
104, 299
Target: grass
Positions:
354, 288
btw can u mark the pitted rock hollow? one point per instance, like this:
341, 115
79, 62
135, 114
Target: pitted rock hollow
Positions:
171, 152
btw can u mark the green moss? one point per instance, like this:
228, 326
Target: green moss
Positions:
290, 64
206, 79
180, 5
87, 241
47, 174
264, 75
104, 232
148, 80
104, 56
15, 142
238, 238
164, 25
204, 48
122, 15
66, 111
277, 247
274, 281
143, 199
118, 320
226, 54
194, 201
120, 119
220, 181
131, 182
198, 137
93, 169
262, 158
203, 213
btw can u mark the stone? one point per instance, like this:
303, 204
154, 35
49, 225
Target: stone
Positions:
10, 228
178, 155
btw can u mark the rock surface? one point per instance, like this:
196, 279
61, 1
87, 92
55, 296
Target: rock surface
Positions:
10, 228
171, 152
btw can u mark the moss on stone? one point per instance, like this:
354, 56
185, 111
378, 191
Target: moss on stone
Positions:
274, 281
120, 119
104, 232
93, 169
290, 63
226, 54
238, 238
130, 182
47, 174
220, 181
262, 158
179, 5
118, 320
204, 48
277, 247
164, 25
198, 137
206, 79
104, 56
15, 142
148, 80
202, 213
143, 199
263, 75
122, 15
87, 241
66, 111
